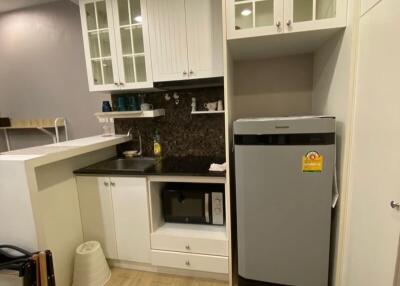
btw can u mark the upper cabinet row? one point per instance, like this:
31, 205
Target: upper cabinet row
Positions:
129, 44
252, 18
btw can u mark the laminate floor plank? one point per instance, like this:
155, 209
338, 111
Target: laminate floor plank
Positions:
127, 277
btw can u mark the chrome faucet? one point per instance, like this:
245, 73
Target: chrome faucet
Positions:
130, 134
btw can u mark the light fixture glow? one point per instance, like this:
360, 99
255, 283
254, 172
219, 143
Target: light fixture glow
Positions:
246, 12
139, 19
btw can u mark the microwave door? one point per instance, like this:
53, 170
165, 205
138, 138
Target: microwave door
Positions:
207, 207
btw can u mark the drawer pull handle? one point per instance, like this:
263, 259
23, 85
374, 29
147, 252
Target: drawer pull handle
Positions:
187, 263
187, 247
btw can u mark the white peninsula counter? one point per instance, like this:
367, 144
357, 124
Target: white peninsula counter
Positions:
39, 206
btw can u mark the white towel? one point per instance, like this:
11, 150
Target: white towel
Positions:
217, 167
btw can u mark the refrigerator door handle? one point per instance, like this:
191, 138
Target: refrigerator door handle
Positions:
206, 207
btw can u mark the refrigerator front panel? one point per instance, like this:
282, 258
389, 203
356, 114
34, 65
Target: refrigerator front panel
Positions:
283, 214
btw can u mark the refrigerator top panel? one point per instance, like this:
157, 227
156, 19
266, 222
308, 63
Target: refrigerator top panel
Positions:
285, 125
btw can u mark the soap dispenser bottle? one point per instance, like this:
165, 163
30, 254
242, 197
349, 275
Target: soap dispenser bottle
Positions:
157, 144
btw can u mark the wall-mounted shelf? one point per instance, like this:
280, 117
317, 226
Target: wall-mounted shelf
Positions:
106, 116
209, 112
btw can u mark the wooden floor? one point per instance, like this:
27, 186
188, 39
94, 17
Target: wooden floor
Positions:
126, 277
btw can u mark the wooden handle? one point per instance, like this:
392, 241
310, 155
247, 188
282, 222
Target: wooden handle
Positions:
43, 269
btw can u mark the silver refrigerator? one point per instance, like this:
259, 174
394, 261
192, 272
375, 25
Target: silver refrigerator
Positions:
284, 178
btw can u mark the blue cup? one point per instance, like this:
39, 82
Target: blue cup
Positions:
121, 103
106, 107
132, 103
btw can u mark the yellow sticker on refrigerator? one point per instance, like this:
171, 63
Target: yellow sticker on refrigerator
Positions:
313, 162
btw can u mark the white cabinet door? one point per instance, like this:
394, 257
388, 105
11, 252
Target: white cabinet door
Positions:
168, 44
251, 18
204, 38
96, 206
99, 44
308, 15
132, 224
132, 42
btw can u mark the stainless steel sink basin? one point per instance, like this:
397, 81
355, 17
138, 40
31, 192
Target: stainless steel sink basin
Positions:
132, 164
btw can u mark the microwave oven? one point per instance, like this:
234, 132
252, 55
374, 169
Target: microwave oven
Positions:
194, 203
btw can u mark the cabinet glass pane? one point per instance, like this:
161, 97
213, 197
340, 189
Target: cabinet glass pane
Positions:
326, 9
94, 45
90, 16
123, 12
137, 39
108, 71
140, 68
126, 41
302, 10
105, 44
136, 13
129, 69
243, 16
102, 14
264, 13
96, 69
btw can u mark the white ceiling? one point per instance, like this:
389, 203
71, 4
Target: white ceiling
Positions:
9, 5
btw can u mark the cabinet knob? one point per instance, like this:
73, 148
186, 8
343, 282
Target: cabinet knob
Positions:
112, 184
184, 73
187, 247
191, 72
121, 83
278, 24
106, 184
116, 83
187, 262
289, 22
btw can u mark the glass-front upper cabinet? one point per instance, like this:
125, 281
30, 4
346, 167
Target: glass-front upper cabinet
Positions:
305, 15
247, 18
132, 43
98, 38
116, 44
251, 18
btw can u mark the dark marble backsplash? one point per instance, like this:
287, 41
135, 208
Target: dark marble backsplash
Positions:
182, 134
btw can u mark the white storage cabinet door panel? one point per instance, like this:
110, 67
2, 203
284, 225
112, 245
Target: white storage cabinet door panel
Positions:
95, 202
168, 43
252, 18
132, 42
99, 44
309, 15
131, 215
204, 38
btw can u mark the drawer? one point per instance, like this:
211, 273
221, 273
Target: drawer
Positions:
210, 240
199, 262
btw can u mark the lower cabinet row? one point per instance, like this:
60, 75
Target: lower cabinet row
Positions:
115, 212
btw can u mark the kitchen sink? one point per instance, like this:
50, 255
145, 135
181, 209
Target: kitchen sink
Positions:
131, 164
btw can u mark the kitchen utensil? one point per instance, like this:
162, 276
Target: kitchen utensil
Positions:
131, 153
220, 105
146, 106
211, 106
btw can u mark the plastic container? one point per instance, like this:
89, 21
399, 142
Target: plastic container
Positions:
91, 268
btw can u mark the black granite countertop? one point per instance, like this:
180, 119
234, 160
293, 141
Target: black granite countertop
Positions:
169, 166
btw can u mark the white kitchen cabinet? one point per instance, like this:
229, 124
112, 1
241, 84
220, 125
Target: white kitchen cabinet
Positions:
252, 18
115, 38
186, 39
131, 215
97, 214
114, 211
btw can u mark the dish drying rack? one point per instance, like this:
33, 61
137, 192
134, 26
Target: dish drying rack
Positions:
39, 124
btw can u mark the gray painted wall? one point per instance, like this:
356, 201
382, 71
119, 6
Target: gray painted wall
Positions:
43, 72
